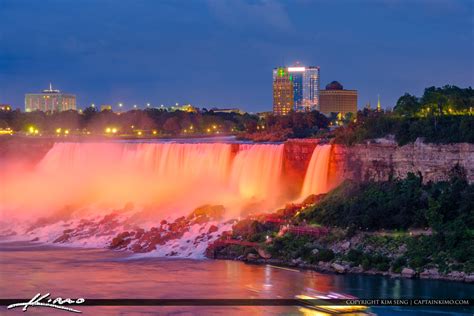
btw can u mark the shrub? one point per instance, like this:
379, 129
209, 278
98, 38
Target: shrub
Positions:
325, 255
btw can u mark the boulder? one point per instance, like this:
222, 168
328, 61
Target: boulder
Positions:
345, 246
430, 274
408, 273
212, 229
252, 256
263, 253
469, 278
339, 268
212, 212
456, 276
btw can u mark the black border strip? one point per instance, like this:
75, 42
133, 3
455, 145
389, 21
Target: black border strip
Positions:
261, 302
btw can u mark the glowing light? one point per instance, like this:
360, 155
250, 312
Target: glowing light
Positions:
155, 132
139, 133
134, 106
66, 132
31, 129
114, 130
191, 127
7, 131
36, 131
108, 130
120, 105
208, 130
296, 69
214, 126
148, 104
93, 105
58, 130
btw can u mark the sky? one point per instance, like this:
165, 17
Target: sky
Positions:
220, 53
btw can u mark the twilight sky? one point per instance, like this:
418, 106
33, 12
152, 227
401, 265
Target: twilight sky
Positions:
219, 53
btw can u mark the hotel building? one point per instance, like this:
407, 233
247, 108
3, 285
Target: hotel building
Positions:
305, 86
283, 98
49, 101
337, 100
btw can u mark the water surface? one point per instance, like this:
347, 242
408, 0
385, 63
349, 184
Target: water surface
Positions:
26, 269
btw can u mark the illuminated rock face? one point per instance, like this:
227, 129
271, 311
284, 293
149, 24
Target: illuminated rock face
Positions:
381, 160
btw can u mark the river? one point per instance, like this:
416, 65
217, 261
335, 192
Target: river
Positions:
26, 269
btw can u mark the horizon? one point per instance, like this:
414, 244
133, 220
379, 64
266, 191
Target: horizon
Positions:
221, 54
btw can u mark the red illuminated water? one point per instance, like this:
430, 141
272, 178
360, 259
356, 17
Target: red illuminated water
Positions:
140, 184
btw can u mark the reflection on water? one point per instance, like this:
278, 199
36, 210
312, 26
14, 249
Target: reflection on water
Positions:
96, 273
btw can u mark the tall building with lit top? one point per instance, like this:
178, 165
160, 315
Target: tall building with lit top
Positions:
305, 86
283, 98
49, 101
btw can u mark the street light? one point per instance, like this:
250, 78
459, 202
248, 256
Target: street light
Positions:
134, 106
148, 104
120, 105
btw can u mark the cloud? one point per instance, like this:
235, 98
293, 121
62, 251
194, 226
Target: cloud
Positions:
243, 14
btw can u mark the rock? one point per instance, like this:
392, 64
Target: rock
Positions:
339, 268
430, 274
456, 276
212, 229
213, 212
402, 249
297, 261
61, 239
408, 273
469, 278
252, 256
263, 253
346, 245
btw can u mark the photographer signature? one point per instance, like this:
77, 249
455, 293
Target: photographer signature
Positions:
44, 301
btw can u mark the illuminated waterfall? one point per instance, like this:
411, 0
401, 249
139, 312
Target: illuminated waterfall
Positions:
316, 178
84, 194
166, 178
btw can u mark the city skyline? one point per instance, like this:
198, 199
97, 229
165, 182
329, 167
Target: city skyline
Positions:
217, 53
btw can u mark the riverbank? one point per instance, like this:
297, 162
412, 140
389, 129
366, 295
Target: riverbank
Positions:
344, 268
398, 228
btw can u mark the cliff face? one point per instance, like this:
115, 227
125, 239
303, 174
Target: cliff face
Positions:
296, 157
372, 161
382, 160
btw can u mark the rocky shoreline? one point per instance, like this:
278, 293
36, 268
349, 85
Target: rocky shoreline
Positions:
340, 268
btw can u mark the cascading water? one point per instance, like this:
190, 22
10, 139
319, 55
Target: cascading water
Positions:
87, 193
316, 178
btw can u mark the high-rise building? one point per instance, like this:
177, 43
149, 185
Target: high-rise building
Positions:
305, 86
283, 98
337, 100
49, 101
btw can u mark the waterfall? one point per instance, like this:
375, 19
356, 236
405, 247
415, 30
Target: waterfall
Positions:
166, 177
86, 194
316, 178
